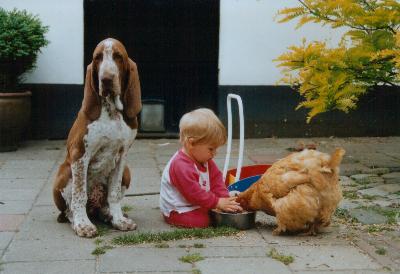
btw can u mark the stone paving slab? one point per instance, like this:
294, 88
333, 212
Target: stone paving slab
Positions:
241, 266
41, 242
143, 259
323, 257
18, 194
5, 239
144, 185
15, 207
40, 165
49, 250
51, 267
23, 173
10, 222
249, 238
41, 224
21, 184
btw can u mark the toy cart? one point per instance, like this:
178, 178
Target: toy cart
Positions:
240, 178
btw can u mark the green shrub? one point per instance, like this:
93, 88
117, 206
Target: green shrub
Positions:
22, 35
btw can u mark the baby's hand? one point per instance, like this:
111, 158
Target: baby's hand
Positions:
228, 205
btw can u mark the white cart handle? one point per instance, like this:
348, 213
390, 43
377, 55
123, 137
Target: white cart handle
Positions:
241, 143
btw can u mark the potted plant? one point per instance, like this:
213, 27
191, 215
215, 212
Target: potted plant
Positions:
21, 37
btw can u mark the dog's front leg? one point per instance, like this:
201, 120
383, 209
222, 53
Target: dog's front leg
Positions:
81, 223
115, 195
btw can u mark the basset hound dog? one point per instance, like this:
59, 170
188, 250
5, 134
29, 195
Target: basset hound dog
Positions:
94, 176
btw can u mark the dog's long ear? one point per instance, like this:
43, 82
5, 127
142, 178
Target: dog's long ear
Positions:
132, 95
91, 104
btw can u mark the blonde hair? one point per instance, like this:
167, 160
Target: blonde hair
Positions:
203, 127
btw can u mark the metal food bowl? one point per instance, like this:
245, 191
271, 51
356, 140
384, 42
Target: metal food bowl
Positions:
241, 220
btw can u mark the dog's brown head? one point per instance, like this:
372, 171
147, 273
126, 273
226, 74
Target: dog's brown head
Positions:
112, 73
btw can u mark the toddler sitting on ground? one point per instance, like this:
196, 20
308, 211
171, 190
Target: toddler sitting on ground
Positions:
191, 183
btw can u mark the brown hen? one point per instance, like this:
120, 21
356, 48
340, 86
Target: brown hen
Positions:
302, 190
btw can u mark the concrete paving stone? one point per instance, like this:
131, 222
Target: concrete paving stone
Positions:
144, 185
18, 194
269, 158
5, 239
49, 250
36, 154
328, 257
334, 235
345, 181
21, 183
241, 266
15, 207
232, 251
347, 204
46, 195
383, 203
365, 179
140, 161
245, 239
367, 216
347, 271
374, 160
389, 188
163, 159
142, 172
232, 163
391, 178
374, 191
351, 169
146, 213
140, 147
51, 267
10, 222
30, 164
23, 173
128, 259
41, 224
378, 170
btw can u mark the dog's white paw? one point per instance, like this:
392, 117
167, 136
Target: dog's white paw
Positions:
124, 224
85, 229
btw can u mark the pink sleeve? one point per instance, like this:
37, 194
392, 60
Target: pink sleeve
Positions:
217, 184
185, 178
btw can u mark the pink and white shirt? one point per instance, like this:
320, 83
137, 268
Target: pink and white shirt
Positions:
187, 185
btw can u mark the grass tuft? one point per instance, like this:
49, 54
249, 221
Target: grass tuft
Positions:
126, 208
380, 251
162, 245
350, 194
392, 215
198, 245
196, 271
178, 234
101, 250
286, 259
191, 258
102, 229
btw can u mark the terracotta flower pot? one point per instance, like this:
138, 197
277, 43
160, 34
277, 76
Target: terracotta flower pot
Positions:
15, 113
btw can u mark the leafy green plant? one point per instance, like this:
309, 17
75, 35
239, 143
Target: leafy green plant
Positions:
22, 35
191, 258
161, 245
368, 54
286, 259
380, 251
100, 250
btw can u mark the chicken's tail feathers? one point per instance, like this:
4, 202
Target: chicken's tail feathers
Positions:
336, 157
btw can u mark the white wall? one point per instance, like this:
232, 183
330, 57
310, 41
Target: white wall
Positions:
250, 39
61, 62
